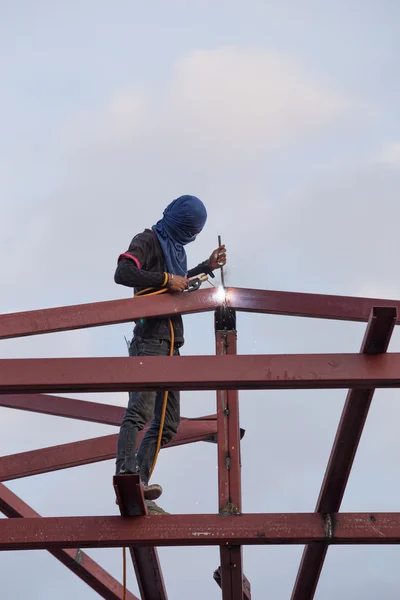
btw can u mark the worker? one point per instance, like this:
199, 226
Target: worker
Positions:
156, 258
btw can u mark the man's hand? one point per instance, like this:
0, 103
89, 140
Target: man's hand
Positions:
176, 283
217, 258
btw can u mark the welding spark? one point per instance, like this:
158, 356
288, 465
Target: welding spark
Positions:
221, 294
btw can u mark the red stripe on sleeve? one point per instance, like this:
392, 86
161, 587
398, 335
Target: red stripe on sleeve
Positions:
126, 255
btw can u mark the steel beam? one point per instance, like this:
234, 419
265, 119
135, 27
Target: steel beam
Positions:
65, 456
318, 306
229, 467
245, 583
199, 530
74, 559
123, 311
96, 412
66, 318
291, 371
129, 493
376, 341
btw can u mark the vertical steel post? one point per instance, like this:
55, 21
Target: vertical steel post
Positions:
229, 465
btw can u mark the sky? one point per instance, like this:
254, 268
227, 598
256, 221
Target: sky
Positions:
283, 117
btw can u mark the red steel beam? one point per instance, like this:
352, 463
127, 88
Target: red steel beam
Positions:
376, 341
245, 583
319, 306
74, 559
229, 467
65, 456
122, 311
66, 318
199, 530
291, 371
129, 493
96, 412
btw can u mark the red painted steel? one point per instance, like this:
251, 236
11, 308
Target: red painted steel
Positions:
376, 340
245, 584
229, 467
199, 530
96, 412
74, 559
111, 312
319, 306
291, 371
65, 318
64, 456
129, 493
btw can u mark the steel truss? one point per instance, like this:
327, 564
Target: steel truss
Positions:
26, 383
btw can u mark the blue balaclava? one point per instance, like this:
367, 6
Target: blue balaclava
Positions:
183, 220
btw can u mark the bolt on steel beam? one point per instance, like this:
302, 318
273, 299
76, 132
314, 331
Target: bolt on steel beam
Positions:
376, 340
73, 558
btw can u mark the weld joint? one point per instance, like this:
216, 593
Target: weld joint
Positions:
328, 527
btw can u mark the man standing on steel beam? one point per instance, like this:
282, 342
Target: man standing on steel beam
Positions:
156, 258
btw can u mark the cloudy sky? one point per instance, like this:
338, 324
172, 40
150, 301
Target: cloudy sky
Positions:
283, 117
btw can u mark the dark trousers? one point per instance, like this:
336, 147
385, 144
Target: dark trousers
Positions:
142, 407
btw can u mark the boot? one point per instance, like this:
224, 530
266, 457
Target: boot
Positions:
152, 491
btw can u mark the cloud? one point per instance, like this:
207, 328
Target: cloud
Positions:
390, 154
222, 103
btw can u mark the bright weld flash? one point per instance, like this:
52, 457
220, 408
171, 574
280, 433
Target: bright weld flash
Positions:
221, 294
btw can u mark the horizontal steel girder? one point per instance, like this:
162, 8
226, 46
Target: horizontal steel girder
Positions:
199, 530
80, 316
291, 371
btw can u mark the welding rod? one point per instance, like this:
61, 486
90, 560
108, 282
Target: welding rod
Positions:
222, 268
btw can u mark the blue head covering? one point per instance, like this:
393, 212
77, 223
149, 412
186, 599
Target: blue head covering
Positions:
183, 220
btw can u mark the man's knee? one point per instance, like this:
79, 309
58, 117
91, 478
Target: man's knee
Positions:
139, 411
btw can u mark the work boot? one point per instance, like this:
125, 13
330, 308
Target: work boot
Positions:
152, 491
154, 509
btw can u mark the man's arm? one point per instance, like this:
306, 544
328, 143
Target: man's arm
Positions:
130, 271
216, 261
129, 274
201, 268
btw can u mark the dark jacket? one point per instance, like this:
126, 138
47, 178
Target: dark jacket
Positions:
142, 266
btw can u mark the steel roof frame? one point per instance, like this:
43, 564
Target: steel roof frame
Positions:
21, 380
